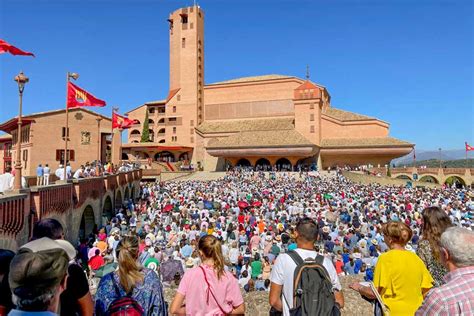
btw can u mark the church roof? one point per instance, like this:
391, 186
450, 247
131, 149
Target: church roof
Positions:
254, 78
343, 115
246, 125
363, 142
270, 138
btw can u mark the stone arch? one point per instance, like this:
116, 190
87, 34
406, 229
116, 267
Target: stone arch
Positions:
135, 132
164, 155
118, 199
161, 121
284, 164
126, 195
429, 179
184, 156
87, 222
403, 177
263, 163
107, 209
459, 181
243, 163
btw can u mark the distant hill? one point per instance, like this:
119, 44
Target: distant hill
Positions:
434, 163
423, 155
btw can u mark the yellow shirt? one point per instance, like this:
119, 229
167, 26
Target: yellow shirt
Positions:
402, 275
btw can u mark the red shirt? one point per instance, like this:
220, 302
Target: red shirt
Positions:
96, 262
339, 265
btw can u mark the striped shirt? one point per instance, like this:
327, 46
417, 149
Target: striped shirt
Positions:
455, 298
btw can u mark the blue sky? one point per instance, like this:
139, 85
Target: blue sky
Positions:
406, 62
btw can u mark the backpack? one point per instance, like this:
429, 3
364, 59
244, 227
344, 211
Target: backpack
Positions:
124, 305
312, 292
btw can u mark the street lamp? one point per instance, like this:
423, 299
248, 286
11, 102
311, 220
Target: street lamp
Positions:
21, 79
98, 138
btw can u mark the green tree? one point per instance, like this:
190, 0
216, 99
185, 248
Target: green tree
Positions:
146, 130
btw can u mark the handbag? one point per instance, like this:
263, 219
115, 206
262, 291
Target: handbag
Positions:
209, 291
380, 309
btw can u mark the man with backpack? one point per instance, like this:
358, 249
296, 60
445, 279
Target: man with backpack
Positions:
318, 289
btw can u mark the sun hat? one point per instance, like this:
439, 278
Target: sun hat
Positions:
375, 242
39, 264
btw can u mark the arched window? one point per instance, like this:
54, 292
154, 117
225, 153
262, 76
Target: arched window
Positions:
150, 121
161, 121
161, 131
135, 132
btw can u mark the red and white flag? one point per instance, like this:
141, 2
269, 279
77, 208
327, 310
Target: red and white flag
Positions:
122, 122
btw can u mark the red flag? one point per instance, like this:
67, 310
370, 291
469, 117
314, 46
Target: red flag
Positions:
119, 121
77, 97
8, 48
469, 148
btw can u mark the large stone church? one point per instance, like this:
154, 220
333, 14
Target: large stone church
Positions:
261, 120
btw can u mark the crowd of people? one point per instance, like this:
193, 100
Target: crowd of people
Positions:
250, 231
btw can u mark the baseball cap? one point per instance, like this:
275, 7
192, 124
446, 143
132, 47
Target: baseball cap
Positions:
38, 265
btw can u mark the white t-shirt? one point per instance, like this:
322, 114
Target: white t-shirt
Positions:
6, 180
283, 271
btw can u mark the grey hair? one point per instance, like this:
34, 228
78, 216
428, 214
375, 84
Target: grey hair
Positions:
458, 242
41, 302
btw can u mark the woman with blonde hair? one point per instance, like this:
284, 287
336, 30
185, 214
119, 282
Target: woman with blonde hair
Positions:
400, 277
435, 222
208, 289
130, 280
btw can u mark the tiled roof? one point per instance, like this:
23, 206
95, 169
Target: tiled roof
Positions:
254, 78
246, 125
345, 115
363, 142
271, 138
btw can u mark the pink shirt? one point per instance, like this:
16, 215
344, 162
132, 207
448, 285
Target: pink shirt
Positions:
194, 288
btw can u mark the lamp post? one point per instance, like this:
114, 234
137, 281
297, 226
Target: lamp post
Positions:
98, 137
21, 79
74, 76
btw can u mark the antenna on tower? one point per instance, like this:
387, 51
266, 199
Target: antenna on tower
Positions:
307, 72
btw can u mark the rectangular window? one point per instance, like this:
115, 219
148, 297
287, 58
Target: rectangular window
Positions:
151, 110
60, 155
63, 132
174, 130
191, 25
172, 119
178, 97
311, 129
311, 106
25, 155
183, 42
192, 139
174, 109
191, 123
184, 18
311, 117
191, 131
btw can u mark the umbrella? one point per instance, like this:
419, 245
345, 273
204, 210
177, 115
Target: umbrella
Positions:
168, 208
108, 268
91, 252
242, 204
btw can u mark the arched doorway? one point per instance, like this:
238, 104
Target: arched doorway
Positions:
87, 222
263, 164
184, 156
164, 156
284, 164
118, 199
107, 209
124, 156
243, 163
429, 179
127, 194
307, 164
455, 181
403, 177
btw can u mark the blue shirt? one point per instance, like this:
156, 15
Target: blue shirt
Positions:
39, 171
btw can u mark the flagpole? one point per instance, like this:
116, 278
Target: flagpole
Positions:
114, 109
74, 76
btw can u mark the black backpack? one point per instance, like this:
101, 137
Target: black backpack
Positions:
312, 292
